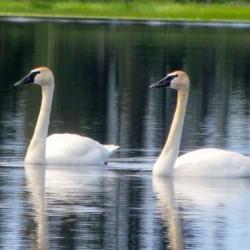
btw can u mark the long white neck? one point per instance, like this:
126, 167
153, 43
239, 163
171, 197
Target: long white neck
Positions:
37, 149
165, 163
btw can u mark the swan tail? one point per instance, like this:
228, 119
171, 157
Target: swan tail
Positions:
111, 148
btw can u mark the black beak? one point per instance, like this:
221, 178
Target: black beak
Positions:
29, 79
26, 80
164, 82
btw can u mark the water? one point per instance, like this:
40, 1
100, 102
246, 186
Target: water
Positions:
102, 73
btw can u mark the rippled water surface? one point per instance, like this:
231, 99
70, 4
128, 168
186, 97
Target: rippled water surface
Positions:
102, 73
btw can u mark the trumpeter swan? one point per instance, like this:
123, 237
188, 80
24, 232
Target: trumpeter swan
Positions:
210, 162
60, 149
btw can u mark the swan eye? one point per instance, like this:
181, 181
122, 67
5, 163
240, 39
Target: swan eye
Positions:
34, 74
172, 77
31, 77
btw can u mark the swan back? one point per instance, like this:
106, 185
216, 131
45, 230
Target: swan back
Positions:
73, 149
212, 162
111, 148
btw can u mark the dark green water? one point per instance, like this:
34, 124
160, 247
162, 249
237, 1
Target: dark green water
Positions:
102, 73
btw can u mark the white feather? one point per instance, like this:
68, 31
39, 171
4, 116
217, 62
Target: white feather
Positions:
59, 149
212, 162
74, 149
209, 162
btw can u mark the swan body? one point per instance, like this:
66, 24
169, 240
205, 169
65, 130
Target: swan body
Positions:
210, 162
81, 149
59, 149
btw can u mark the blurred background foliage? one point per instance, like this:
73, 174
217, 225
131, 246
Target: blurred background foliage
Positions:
141, 1
206, 10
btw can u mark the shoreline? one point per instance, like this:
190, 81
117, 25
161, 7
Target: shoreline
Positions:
135, 10
123, 21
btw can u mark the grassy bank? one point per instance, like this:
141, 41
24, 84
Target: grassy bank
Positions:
126, 10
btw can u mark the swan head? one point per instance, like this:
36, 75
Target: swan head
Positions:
40, 76
178, 80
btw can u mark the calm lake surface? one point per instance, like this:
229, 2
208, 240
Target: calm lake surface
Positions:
102, 73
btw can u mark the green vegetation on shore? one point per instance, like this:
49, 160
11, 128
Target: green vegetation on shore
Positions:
136, 9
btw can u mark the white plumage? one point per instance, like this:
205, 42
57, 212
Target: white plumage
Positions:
74, 149
59, 149
210, 162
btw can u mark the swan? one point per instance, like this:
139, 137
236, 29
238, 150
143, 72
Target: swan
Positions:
209, 162
59, 149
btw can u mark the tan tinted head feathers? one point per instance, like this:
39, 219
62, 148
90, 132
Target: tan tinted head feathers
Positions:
177, 80
40, 76
180, 81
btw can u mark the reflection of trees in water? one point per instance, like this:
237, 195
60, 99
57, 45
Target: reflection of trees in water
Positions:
103, 71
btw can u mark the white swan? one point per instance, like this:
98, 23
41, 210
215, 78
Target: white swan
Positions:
66, 149
208, 162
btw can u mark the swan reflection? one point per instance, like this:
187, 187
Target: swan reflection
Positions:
204, 212
71, 198
164, 190
90, 207
35, 176
74, 183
